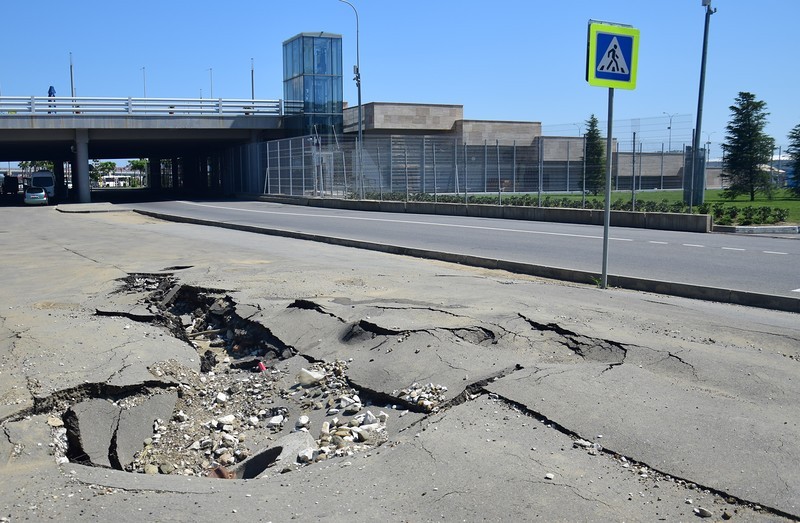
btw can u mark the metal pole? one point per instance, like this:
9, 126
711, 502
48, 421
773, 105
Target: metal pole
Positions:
466, 179
514, 169
424, 187
696, 140
583, 186
252, 82
71, 77
405, 151
485, 169
541, 167
497, 154
434, 174
607, 210
291, 177
691, 180
662, 166
568, 140
357, 79
455, 167
380, 177
640, 166
633, 172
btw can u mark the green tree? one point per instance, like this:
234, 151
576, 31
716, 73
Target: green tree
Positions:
595, 157
138, 166
101, 169
747, 149
794, 153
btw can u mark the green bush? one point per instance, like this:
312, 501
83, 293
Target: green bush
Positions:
747, 216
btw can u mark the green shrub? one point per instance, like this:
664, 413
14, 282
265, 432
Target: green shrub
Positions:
747, 216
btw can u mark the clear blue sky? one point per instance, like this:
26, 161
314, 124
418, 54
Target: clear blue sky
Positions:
502, 60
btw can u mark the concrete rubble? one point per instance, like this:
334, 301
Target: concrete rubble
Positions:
425, 393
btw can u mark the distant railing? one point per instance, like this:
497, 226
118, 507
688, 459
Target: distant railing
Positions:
63, 105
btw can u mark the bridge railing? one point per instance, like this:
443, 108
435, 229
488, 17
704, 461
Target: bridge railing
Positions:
63, 105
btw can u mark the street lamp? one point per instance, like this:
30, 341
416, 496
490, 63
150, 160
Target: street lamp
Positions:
211, 82
696, 193
708, 145
579, 126
670, 129
144, 83
357, 78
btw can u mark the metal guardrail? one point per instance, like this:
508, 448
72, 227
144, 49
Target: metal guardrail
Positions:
68, 105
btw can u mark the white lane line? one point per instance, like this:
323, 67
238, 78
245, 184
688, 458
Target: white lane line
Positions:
774, 252
796, 290
732, 249
692, 245
658, 243
412, 222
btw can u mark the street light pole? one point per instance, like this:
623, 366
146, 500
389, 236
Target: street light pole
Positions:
358, 86
252, 81
669, 148
697, 136
144, 83
71, 77
211, 82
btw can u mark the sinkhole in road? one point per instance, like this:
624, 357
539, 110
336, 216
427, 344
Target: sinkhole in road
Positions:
250, 407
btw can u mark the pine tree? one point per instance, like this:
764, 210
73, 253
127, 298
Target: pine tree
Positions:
794, 153
595, 157
747, 149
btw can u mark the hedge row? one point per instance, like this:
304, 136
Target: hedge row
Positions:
723, 214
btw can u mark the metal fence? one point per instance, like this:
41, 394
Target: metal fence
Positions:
405, 167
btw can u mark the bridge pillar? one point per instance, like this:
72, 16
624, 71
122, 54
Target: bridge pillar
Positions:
154, 174
82, 165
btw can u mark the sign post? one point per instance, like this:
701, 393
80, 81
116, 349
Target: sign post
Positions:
612, 56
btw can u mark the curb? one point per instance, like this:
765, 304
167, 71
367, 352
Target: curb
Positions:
757, 229
683, 290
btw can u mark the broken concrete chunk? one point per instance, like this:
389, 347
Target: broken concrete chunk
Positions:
307, 377
136, 423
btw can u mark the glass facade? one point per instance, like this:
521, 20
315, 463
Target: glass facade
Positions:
312, 82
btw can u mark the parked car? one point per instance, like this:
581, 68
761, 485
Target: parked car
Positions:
36, 196
10, 185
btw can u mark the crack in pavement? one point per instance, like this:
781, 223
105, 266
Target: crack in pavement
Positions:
588, 348
572, 434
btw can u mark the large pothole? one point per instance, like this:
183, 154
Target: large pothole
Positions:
253, 405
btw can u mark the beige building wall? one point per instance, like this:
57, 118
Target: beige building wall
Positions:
403, 117
478, 132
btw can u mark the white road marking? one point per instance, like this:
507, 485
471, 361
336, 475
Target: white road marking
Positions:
658, 243
692, 245
500, 229
796, 290
775, 252
732, 249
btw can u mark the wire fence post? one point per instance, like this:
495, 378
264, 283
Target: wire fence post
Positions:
499, 184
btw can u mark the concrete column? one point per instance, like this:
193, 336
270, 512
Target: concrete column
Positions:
81, 171
61, 187
154, 174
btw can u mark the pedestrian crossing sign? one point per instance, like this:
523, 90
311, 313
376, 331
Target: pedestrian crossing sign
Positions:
612, 55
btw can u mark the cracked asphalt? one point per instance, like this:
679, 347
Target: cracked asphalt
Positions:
563, 402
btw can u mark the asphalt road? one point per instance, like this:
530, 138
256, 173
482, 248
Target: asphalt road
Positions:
759, 264
564, 402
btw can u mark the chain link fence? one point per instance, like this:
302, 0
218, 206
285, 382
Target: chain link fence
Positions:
413, 167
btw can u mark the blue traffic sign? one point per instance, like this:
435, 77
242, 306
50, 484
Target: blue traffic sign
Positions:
612, 57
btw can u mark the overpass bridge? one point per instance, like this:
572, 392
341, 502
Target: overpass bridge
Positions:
77, 129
